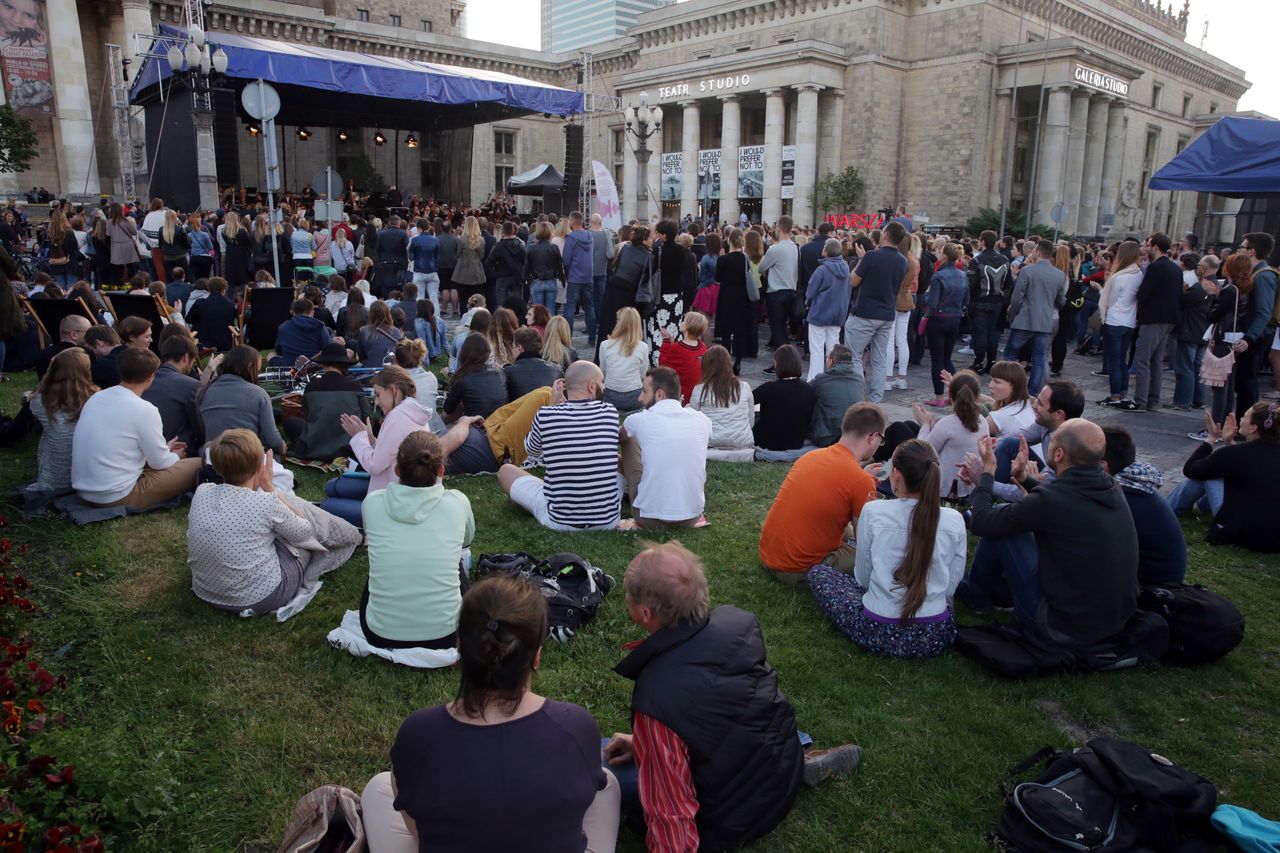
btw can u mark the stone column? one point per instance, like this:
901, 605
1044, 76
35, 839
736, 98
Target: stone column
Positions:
691, 134
206, 162
653, 179
775, 114
629, 177
1074, 172
806, 164
137, 20
999, 140
1053, 153
1094, 147
730, 139
830, 136
73, 128
1112, 162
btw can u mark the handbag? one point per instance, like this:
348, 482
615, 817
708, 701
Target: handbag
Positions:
1215, 370
650, 286
753, 280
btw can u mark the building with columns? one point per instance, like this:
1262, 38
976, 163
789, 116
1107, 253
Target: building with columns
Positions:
943, 106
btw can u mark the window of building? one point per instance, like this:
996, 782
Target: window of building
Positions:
362, 14
1213, 108
1186, 105
1149, 157
1156, 91
395, 20
424, 25
501, 174
504, 143
619, 142
504, 158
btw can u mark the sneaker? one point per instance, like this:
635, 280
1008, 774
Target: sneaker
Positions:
1107, 401
1128, 406
769, 371
823, 764
897, 385
1101, 373
964, 351
1202, 435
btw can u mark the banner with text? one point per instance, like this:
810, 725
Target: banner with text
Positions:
24, 59
672, 182
606, 196
751, 171
788, 171
709, 174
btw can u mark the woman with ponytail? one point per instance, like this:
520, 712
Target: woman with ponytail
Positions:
911, 557
956, 434
496, 738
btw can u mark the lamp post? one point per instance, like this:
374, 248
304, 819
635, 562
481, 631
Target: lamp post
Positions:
199, 64
642, 123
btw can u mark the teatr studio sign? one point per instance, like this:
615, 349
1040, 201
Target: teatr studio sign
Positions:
702, 87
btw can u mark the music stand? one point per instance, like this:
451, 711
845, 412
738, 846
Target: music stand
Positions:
265, 310
149, 307
49, 314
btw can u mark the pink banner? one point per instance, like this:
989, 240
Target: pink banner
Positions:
24, 57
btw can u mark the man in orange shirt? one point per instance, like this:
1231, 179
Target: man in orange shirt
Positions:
822, 496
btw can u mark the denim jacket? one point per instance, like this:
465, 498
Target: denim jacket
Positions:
948, 293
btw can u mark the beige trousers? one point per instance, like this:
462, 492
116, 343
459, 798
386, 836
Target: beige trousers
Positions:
156, 486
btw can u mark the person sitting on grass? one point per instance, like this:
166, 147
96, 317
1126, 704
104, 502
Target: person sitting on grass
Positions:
250, 547
624, 358
1066, 555
786, 409
318, 434
233, 399
1162, 549
664, 455
810, 521
911, 557
212, 317
684, 356
446, 759
834, 390
56, 405
557, 345
577, 441
119, 456
1058, 402
482, 445
727, 401
1012, 408
714, 752
301, 335
955, 435
409, 355
417, 531
395, 396
174, 391
71, 331
1236, 483
475, 388
528, 372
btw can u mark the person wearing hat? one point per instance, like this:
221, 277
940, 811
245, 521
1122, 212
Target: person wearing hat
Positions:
318, 434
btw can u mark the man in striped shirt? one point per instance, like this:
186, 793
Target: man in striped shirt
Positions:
577, 441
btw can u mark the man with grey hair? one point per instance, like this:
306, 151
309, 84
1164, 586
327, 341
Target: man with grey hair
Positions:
715, 744
835, 389
827, 293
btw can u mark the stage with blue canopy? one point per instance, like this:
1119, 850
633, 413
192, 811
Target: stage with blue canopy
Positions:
1236, 157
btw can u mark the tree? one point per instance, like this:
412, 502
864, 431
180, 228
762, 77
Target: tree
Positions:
988, 219
841, 192
18, 144
365, 175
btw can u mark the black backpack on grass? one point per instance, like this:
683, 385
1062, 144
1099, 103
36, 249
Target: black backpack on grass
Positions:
1112, 796
511, 563
574, 589
1203, 626
1009, 652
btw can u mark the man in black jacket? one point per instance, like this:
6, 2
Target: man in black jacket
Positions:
528, 372
811, 254
393, 258
1159, 298
1066, 555
708, 716
507, 260
988, 277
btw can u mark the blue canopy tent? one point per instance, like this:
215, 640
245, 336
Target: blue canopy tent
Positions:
1238, 157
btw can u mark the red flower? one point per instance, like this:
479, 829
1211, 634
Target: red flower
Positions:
5, 545
12, 832
67, 776
12, 724
39, 763
35, 706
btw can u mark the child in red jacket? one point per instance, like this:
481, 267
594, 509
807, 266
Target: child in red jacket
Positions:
684, 356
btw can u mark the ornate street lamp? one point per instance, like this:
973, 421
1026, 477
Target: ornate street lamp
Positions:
643, 123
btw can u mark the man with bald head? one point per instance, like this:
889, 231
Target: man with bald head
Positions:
1066, 555
70, 334
714, 740
577, 441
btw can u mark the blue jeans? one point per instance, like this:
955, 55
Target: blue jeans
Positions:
1115, 347
344, 496
599, 283
543, 292
1205, 494
1086, 311
1187, 390
1007, 448
1006, 568
583, 292
1039, 348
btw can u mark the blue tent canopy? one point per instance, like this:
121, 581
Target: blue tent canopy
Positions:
1235, 157
327, 87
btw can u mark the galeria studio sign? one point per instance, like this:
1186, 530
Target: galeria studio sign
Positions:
704, 87
1095, 79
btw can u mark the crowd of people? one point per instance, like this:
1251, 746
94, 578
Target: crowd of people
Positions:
873, 515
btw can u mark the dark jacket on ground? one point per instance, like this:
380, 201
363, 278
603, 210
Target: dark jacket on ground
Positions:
327, 397
175, 396
529, 373
543, 262
835, 390
1249, 472
300, 335
211, 319
1088, 550
710, 683
1160, 293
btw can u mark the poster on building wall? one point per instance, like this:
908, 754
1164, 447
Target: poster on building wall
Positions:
788, 171
24, 57
606, 196
672, 168
709, 174
751, 171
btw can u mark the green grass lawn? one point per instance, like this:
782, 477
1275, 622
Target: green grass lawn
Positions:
210, 727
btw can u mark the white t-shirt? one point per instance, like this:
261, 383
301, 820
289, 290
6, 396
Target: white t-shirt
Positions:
673, 446
623, 372
119, 433
1014, 418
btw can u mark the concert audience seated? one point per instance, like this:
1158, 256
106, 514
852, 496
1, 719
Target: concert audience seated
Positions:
318, 434
1162, 550
727, 401
664, 455
834, 390
173, 392
56, 405
232, 399
786, 409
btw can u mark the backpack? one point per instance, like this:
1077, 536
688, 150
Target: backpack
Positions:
513, 563
574, 590
1203, 626
1111, 796
1008, 652
1275, 308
